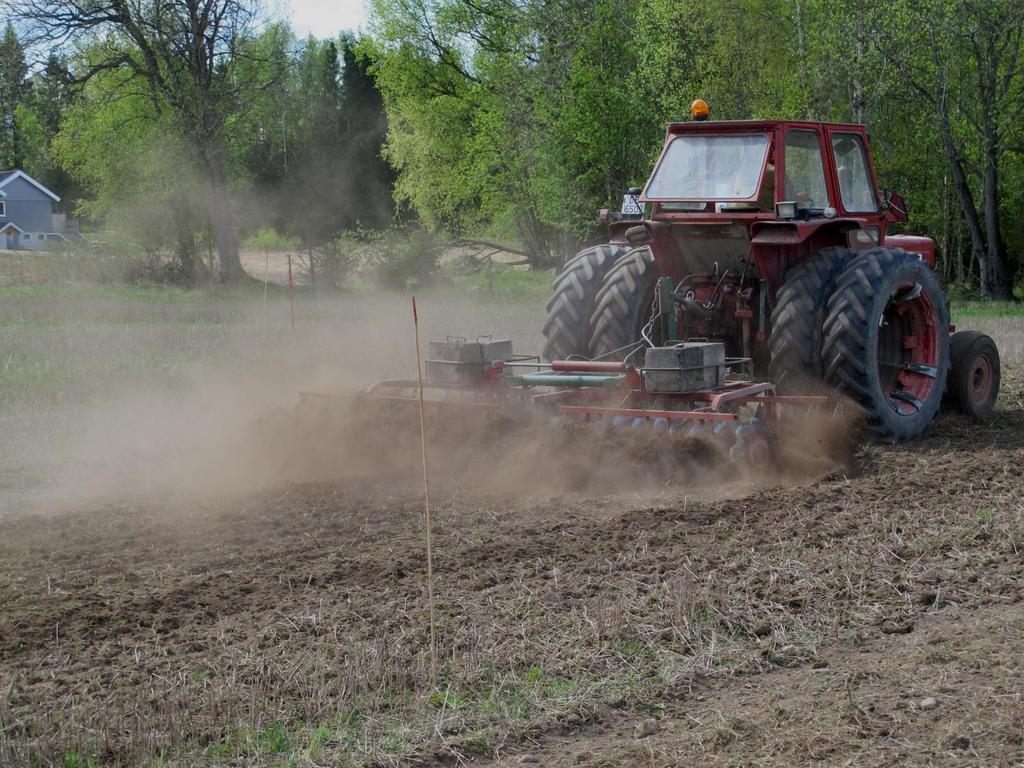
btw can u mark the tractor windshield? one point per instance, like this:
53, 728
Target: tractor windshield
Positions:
702, 167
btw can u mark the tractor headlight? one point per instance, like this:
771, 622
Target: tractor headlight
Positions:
786, 210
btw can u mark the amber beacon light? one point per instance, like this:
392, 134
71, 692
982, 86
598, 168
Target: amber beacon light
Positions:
699, 110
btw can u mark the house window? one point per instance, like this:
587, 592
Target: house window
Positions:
27, 236
3, 207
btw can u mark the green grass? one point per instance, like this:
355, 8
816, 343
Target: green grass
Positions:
121, 291
473, 715
964, 310
75, 759
136, 293
507, 282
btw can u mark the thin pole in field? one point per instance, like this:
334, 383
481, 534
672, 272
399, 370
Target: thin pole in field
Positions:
266, 281
291, 295
426, 499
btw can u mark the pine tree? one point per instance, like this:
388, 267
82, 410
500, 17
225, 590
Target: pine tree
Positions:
13, 91
365, 125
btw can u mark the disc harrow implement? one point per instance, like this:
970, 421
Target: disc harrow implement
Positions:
686, 390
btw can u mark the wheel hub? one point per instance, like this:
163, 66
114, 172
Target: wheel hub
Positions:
908, 349
981, 379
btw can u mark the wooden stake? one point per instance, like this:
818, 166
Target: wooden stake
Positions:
291, 296
426, 500
266, 281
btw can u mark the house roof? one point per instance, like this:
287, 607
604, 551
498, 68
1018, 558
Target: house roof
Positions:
6, 177
11, 225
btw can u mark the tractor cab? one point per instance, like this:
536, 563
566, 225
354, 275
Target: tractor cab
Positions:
757, 196
772, 170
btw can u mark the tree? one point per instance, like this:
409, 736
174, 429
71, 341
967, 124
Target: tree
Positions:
184, 54
363, 130
264, 128
311, 143
138, 169
13, 89
318, 185
963, 59
527, 115
475, 95
38, 120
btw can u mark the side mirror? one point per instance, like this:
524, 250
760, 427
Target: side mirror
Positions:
896, 205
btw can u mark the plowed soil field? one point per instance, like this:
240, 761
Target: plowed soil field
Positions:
873, 616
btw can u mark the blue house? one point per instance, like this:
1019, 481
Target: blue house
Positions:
27, 220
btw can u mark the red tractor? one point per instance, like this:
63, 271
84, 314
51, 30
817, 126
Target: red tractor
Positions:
775, 238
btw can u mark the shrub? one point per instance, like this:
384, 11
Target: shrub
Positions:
268, 239
336, 262
403, 257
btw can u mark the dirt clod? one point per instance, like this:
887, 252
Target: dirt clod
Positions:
647, 727
891, 627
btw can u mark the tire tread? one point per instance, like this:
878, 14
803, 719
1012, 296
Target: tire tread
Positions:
847, 333
796, 335
567, 329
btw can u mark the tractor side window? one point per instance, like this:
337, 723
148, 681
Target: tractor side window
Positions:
852, 169
805, 174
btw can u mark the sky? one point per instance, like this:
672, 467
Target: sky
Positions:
323, 18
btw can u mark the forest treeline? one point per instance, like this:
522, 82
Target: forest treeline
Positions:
198, 120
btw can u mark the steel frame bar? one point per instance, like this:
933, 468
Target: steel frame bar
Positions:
468, 404
740, 394
649, 413
791, 399
588, 366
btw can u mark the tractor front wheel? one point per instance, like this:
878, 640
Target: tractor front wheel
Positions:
974, 373
624, 305
567, 329
886, 341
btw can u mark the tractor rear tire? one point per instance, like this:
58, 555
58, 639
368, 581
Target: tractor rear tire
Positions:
974, 374
624, 305
886, 341
796, 336
567, 329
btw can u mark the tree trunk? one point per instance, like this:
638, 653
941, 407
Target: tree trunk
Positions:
801, 57
947, 253
859, 99
963, 190
535, 239
185, 252
185, 243
222, 217
995, 280
958, 249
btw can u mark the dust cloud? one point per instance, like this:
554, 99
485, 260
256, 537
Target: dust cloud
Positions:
234, 423
197, 423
